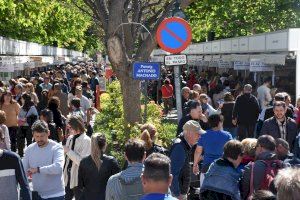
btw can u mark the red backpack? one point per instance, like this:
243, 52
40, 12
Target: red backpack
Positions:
271, 170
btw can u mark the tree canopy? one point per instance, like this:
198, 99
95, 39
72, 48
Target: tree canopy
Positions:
231, 18
48, 22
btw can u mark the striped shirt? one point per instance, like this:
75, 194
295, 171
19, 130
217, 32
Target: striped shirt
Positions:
114, 189
11, 174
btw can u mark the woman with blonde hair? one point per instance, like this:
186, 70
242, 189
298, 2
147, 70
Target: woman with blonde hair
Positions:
148, 136
95, 170
30, 90
249, 146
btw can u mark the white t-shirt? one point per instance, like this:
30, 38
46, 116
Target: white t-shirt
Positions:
264, 96
85, 105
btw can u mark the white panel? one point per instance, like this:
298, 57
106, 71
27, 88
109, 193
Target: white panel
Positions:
1, 46
244, 44
207, 58
235, 45
294, 39
236, 57
225, 46
257, 43
278, 59
277, 41
22, 48
158, 52
194, 49
207, 47
215, 47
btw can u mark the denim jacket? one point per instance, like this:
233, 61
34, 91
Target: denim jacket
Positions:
222, 177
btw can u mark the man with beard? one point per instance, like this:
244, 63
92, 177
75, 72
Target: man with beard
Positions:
44, 161
194, 114
280, 126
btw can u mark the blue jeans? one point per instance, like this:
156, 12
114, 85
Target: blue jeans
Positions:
232, 131
55, 198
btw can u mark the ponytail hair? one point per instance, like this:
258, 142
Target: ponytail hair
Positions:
98, 142
145, 136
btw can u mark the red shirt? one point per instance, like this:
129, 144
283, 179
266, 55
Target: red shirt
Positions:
167, 91
298, 116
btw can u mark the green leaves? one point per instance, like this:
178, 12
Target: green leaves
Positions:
231, 18
46, 22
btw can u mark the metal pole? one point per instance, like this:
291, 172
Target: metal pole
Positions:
146, 100
178, 92
273, 77
297, 74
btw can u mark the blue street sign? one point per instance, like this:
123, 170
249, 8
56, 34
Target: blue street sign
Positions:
146, 70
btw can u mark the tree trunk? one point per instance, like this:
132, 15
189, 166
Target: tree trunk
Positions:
130, 87
131, 99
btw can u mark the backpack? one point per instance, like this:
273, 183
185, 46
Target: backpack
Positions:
133, 190
271, 170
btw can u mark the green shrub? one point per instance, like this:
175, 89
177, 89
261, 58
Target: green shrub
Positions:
110, 121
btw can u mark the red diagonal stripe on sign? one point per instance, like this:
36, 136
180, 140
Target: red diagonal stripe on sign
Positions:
174, 35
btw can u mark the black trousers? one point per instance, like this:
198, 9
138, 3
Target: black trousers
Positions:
70, 193
24, 132
245, 131
13, 131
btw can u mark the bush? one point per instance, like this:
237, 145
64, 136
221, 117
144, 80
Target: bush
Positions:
110, 121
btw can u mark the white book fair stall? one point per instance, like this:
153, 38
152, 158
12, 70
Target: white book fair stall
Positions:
275, 54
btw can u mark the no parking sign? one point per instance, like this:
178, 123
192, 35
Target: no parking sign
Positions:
174, 35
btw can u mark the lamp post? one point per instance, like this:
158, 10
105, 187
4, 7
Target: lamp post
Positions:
177, 12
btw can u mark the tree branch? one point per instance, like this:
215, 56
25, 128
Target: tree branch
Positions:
84, 11
99, 10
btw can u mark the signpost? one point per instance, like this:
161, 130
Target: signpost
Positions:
174, 35
146, 71
173, 60
257, 65
241, 65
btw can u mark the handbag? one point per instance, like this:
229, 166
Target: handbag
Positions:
30, 119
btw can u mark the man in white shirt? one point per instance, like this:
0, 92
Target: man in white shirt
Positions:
85, 104
44, 161
264, 93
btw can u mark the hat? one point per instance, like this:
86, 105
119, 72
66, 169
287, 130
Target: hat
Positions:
193, 126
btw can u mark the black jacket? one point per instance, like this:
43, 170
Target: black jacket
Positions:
92, 181
53, 132
246, 109
270, 113
270, 127
226, 111
186, 118
180, 151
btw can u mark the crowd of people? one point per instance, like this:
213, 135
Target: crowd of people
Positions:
233, 142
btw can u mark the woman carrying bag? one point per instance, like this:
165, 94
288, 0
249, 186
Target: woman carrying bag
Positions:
27, 116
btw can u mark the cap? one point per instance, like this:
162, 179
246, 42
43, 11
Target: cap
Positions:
193, 126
